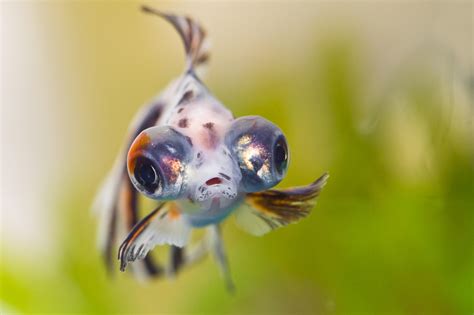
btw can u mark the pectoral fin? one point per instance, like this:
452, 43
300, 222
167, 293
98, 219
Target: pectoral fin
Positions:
267, 210
217, 246
165, 225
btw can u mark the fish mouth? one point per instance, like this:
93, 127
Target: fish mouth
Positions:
212, 204
215, 197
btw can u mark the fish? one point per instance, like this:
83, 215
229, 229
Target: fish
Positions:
200, 165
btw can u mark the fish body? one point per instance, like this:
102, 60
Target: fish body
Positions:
188, 152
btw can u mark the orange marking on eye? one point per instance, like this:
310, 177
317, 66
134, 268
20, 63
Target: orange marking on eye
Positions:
140, 142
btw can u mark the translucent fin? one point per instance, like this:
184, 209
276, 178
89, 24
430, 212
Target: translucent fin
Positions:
116, 203
271, 209
176, 259
217, 246
193, 35
105, 206
164, 225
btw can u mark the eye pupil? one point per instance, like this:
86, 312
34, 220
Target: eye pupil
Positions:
280, 155
146, 175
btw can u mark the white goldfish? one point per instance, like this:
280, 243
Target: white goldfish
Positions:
187, 151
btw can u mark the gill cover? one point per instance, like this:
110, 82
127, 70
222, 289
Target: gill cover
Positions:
261, 151
157, 162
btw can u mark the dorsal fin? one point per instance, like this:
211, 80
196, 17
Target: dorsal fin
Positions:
193, 36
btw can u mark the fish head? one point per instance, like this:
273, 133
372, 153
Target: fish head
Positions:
212, 170
215, 179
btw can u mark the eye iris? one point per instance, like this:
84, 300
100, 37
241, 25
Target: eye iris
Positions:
280, 155
146, 175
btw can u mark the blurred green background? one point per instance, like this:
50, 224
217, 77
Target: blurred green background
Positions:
378, 94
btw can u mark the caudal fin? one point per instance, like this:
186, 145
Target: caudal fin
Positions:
193, 35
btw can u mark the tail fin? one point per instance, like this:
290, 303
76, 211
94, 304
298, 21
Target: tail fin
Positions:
193, 35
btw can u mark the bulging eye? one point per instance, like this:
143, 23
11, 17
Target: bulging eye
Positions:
261, 151
280, 155
146, 175
157, 162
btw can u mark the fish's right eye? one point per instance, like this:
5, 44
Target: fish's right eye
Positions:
280, 155
157, 162
146, 174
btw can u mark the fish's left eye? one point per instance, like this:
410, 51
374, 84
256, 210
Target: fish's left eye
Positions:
280, 155
261, 151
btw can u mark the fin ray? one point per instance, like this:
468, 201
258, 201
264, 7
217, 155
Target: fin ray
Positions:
162, 226
116, 203
220, 256
268, 210
192, 34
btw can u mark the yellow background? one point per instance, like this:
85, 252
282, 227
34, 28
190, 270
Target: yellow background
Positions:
380, 94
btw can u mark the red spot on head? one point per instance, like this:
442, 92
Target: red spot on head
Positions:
183, 123
209, 125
